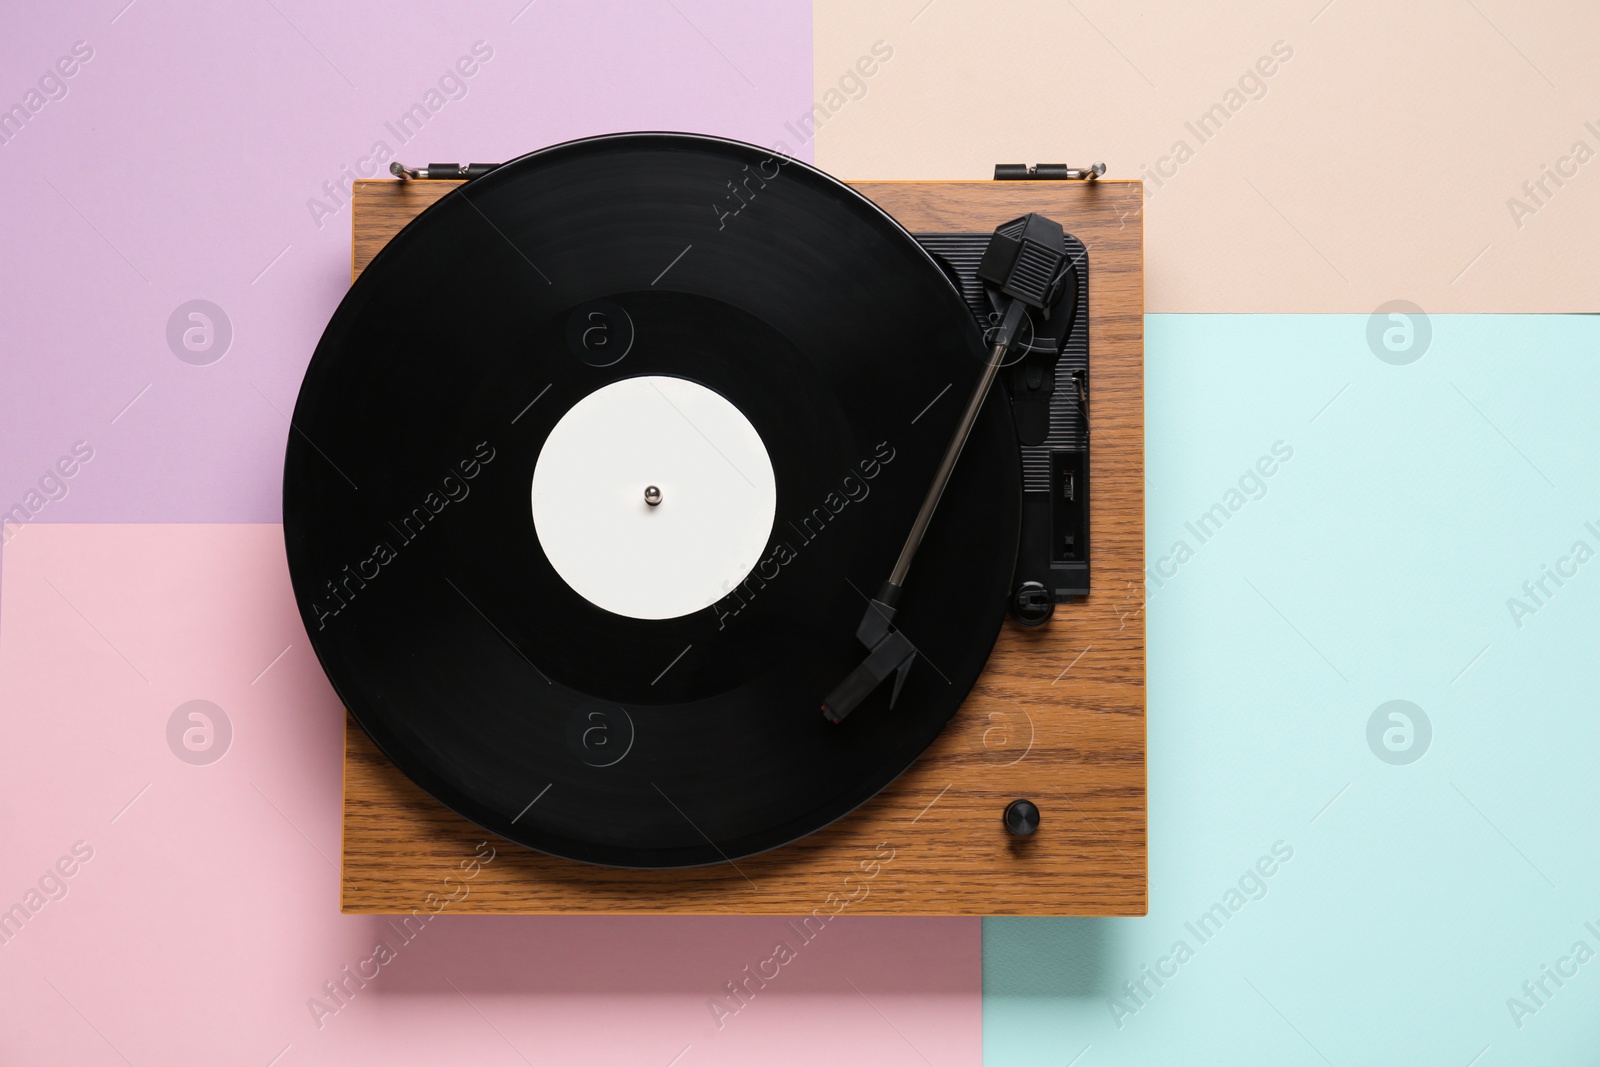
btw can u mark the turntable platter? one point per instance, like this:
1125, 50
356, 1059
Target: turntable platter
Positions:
466, 517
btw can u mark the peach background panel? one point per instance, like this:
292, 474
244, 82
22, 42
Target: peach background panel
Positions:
1376, 166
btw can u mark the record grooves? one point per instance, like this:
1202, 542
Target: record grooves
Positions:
415, 555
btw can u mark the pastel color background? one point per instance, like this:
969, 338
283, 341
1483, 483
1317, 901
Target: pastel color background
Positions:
1375, 564
1376, 161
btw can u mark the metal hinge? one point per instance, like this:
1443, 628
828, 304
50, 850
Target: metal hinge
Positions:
1057, 172
458, 172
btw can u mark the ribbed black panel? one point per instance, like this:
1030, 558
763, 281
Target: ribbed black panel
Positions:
961, 253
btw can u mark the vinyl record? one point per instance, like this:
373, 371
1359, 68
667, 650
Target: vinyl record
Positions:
524, 633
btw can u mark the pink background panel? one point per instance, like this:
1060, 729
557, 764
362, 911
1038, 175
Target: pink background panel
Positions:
208, 915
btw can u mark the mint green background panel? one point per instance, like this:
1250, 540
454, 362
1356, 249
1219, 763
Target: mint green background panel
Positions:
1382, 660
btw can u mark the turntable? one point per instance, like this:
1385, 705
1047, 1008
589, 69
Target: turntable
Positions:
708, 535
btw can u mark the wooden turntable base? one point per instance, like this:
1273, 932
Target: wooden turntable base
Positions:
1058, 716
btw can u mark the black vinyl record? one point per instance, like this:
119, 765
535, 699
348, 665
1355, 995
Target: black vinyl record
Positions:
412, 545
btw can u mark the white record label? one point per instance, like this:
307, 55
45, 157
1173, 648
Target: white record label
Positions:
715, 491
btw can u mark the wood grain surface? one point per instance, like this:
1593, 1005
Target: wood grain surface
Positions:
1058, 715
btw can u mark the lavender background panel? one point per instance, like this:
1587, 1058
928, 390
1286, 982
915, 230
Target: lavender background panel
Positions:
180, 164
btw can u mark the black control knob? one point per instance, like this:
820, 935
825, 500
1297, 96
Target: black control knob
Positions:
1032, 603
1022, 817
